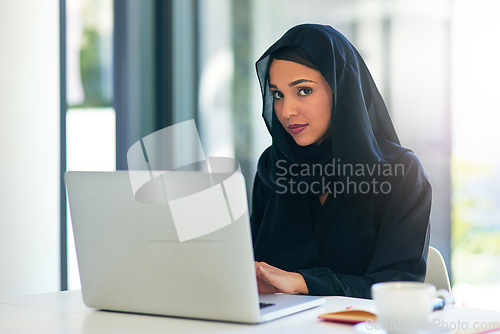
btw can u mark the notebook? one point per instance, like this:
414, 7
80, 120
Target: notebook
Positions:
180, 248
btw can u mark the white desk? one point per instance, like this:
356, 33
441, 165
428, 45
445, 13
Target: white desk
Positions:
64, 312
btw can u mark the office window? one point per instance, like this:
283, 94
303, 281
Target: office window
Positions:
90, 117
476, 165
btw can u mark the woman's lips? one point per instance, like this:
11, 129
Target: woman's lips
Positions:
297, 128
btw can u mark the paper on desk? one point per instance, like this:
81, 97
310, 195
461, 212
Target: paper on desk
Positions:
350, 315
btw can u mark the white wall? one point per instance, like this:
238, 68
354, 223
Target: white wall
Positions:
29, 146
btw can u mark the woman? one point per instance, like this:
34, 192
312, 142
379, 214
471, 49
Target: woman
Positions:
338, 204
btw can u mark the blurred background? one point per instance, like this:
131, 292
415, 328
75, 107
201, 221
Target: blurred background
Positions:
82, 80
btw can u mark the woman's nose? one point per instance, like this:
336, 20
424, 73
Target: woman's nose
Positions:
289, 108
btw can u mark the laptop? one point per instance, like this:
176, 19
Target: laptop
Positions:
170, 249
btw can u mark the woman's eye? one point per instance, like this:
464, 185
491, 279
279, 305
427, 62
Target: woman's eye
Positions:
305, 91
277, 95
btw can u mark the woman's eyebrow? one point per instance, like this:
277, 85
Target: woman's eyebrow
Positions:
296, 82
293, 83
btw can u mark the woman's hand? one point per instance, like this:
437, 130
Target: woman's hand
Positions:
273, 280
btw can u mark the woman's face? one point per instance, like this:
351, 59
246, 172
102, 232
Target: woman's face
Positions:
302, 101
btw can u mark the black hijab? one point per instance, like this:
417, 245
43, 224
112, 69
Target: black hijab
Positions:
362, 131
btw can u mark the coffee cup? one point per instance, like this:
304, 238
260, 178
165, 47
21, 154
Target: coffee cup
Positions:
405, 307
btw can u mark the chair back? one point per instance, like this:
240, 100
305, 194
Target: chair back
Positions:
437, 274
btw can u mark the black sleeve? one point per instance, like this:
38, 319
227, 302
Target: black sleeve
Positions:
401, 244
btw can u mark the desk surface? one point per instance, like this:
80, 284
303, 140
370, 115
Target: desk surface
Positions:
64, 312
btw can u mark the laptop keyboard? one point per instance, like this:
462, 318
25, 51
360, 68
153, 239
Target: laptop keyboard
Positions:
262, 305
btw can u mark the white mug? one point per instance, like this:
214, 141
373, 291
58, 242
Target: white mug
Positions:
405, 307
